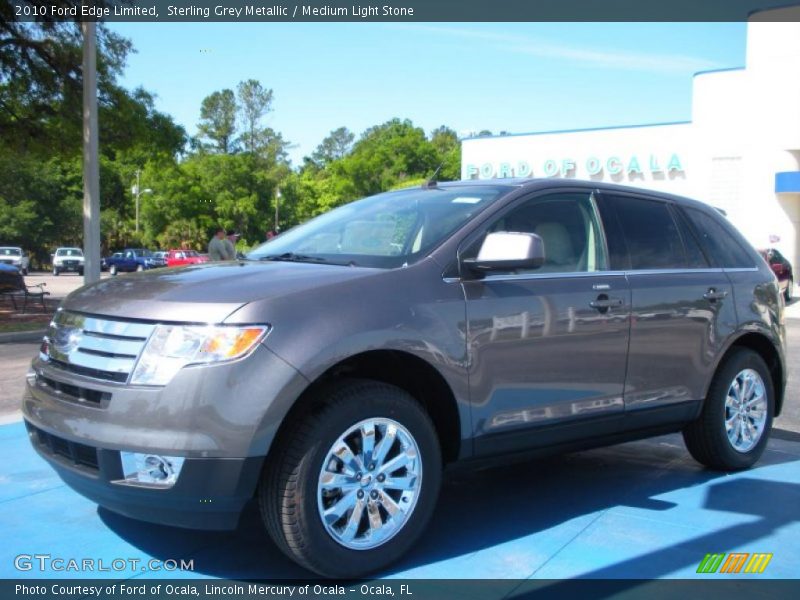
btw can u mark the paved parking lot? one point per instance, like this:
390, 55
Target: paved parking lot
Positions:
57, 286
639, 510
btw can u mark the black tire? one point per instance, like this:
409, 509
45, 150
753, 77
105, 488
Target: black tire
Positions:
80, 272
788, 293
288, 487
25, 272
706, 438
56, 272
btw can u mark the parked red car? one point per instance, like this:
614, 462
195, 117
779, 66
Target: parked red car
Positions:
782, 269
177, 258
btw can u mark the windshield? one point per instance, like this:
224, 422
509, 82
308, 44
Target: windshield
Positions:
388, 230
69, 252
10, 252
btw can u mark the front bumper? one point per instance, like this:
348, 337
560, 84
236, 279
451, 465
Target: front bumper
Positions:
209, 494
71, 266
221, 419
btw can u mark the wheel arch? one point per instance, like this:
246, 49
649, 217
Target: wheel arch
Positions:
404, 370
762, 345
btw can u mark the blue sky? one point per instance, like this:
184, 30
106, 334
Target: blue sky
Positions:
517, 77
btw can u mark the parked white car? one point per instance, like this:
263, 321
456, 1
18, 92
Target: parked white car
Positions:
15, 256
68, 259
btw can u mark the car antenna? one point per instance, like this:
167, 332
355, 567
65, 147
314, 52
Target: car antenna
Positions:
432, 183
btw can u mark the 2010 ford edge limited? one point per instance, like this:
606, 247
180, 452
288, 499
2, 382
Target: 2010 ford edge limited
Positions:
335, 371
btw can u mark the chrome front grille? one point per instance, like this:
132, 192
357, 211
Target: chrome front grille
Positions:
100, 348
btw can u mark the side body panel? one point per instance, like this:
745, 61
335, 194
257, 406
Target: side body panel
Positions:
677, 335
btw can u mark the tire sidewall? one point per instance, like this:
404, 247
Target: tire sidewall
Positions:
388, 403
716, 408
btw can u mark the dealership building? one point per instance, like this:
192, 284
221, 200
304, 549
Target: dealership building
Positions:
740, 152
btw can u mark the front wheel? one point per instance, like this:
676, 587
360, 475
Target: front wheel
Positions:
732, 431
353, 482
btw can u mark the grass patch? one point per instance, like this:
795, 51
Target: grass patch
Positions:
8, 327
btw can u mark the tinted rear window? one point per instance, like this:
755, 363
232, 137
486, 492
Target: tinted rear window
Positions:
651, 234
719, 243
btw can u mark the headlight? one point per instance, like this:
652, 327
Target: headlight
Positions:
172, 347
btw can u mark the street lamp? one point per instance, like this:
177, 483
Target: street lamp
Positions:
137, 192
277, 203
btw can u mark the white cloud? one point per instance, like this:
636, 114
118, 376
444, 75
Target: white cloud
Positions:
591, 57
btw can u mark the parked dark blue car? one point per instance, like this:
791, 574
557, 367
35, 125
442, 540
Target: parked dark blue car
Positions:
130, 259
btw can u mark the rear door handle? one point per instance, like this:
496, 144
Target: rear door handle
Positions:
711, 295
603, 302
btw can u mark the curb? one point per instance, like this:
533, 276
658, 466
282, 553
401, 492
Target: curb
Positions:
14, 337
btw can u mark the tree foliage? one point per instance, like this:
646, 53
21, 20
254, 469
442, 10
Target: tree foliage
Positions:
218, 120
228, 176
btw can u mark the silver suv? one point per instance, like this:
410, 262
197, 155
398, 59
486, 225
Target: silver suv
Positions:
334, 372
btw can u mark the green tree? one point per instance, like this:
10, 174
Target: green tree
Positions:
448, 149
218, 120
334, 147
254, 103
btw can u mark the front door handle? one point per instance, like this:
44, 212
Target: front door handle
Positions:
713, 295
602, 303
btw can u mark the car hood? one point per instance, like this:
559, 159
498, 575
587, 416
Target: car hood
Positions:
204, 293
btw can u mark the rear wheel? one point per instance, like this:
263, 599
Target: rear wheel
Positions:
354, 481
734, 427
80, 272
788, 293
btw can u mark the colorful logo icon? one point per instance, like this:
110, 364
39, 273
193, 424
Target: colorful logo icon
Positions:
735, 562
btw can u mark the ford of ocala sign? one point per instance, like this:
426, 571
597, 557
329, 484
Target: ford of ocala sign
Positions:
592, 166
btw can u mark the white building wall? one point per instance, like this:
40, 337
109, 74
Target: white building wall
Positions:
745, 128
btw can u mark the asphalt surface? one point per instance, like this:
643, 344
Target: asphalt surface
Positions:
57, 286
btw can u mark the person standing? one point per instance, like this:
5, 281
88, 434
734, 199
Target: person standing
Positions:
218, 246
230, 243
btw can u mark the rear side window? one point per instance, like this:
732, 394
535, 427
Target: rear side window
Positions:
651, 234
720, 244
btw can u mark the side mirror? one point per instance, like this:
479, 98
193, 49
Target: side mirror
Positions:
503, 250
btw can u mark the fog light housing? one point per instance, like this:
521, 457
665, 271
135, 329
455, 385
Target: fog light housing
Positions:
150, 470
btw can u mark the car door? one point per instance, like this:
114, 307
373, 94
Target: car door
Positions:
128, 261
547, 347
682, 307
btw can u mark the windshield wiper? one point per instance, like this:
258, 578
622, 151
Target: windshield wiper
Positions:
293, 257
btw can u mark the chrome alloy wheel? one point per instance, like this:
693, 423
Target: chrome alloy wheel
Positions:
369, 483
745, 410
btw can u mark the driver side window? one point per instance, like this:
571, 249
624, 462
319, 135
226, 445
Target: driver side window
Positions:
568, 226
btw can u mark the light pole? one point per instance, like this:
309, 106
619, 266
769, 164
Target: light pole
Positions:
91, 169
137, 191
277, 203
